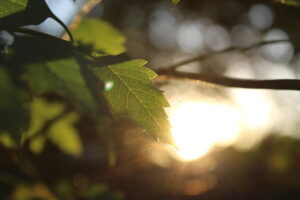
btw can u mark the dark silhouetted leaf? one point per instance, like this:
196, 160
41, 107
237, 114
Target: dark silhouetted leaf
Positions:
35, 13
130, 91
32, 13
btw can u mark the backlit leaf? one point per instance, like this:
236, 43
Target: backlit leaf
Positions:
63, 134
130, 91
100, 35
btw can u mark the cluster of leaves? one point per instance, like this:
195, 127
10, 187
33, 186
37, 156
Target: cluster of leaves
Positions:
48, 84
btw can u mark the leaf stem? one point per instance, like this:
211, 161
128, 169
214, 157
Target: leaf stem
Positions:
64, 26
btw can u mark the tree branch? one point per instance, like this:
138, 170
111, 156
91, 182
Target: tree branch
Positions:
168, 72
276, 84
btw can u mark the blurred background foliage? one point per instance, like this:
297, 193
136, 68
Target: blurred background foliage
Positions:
67, 154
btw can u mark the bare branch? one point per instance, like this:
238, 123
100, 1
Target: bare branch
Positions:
168, 72
276, 84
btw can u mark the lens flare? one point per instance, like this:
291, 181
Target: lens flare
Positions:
198, 126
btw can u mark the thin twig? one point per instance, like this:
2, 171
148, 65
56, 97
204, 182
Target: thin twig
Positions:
276, 84
85, 9
227, 50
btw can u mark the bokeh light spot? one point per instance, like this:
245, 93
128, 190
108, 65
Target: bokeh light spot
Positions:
197, 126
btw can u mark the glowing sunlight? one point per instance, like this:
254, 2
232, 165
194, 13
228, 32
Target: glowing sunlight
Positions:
197, 126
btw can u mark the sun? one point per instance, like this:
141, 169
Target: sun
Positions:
198, 126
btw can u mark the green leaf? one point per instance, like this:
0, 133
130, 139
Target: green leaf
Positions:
63, 134
130, 91
8, 7
63, 76
290, 2
100, 35
12, 114
175, 2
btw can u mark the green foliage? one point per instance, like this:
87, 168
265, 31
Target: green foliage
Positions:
290, 2
61, 132
95, 191
51, 88
6, 140
8, 7
65, 135
101, 191
65, 77
129, 90
45, 66
36, 191
65, 189
175, 1
101, 36
10, 106
41, 112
